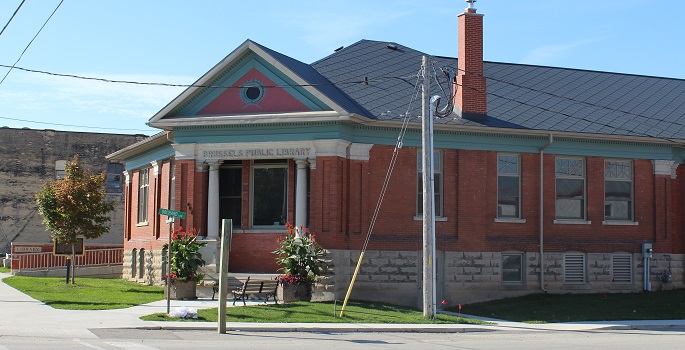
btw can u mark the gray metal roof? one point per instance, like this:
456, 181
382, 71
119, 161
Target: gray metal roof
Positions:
518, 96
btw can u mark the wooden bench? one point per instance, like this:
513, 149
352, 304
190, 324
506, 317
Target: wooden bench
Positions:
233, 284
252, 289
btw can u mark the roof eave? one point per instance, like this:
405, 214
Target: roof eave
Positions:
253, 119
144, 145
537, 133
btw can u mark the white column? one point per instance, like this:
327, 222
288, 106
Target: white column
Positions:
301, 196
213, 202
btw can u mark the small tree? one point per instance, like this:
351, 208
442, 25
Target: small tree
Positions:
75, 205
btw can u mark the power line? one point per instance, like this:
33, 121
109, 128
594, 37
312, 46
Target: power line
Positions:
70, 125
570, 99
367, 81
573, 116
386, 182
30, 42
11, 18
133, 82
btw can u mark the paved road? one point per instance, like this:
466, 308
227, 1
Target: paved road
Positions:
179, 339
26, 323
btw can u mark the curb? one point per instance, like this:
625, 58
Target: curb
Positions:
320, 329
679, 328
357, 329
384, 328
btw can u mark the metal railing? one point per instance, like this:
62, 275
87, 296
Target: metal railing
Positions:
90, 258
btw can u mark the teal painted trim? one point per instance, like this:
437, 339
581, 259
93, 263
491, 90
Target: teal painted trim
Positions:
679, 155
235, 72
295, 89
263, 133
143, 159
442, 139
603, 148
519, 144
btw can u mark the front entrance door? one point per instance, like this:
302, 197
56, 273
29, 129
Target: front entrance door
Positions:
230, 193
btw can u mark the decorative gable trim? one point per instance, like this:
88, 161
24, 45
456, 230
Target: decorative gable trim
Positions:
247, 52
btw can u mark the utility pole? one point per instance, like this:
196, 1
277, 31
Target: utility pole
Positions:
428, 196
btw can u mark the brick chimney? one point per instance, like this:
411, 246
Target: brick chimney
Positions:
470, 98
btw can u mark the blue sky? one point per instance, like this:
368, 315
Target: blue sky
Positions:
178, 41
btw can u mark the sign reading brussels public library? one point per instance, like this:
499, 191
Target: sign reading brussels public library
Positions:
256, 153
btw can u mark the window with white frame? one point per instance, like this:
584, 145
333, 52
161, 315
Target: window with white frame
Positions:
622, 268
512, 267
574, 268
570, 188
508, 186
437, 183
143, 185
618, 190
269, 192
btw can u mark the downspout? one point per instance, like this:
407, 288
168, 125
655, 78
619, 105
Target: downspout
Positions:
542, 211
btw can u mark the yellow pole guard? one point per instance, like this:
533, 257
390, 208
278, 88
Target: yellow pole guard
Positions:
349, 290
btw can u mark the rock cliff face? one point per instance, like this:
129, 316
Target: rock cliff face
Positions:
28, 158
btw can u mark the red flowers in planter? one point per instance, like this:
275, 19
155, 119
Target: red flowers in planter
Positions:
288, 279
300, 258
186, 258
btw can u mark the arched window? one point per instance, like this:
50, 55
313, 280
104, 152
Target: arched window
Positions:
141, 263
134, 262
164, 263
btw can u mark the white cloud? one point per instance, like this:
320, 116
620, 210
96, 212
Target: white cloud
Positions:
546, 55
65, 100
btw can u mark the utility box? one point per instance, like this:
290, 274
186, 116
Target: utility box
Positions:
647, 250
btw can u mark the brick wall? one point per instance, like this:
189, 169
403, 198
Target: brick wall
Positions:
27, 160
470, 239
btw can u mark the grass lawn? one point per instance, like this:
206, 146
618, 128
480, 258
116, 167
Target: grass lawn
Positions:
5, 269
320, 312
545, 308
87, 293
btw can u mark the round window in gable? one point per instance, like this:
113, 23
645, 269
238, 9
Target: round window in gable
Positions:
252, 91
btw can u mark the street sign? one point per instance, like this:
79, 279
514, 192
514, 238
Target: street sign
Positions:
172, 213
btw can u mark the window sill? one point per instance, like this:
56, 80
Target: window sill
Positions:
437, 218
142, 224
620, 223
572, 222
511, 220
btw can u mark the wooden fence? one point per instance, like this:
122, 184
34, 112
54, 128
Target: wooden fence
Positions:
90, 258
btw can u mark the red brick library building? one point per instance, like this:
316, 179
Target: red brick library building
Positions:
546, 179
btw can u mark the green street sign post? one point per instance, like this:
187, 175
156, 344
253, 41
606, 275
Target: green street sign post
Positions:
172, 213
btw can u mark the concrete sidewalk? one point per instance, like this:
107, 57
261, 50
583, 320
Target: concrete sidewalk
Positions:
25, 316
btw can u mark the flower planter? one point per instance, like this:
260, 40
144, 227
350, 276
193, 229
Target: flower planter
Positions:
181, 290
294, 292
